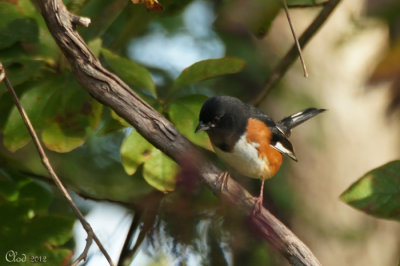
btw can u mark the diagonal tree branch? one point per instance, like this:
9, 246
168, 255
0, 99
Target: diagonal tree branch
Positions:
45, 160
113, 92
291, 55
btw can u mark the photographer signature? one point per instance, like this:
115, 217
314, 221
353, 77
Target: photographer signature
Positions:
14, 256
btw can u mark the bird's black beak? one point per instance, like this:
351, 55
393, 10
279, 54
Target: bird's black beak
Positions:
202, 127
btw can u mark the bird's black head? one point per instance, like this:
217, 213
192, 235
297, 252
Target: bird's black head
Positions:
224, 118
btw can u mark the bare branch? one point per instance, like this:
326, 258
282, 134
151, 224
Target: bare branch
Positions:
49, 168
113, 92
303, 64
291, 55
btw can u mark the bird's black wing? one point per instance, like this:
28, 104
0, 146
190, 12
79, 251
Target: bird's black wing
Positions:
279, 140
282, 144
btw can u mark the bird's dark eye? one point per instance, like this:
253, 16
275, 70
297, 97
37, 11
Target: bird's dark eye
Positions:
215, 121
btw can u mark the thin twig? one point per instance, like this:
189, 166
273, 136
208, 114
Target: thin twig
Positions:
91, 235
303, 64
291, 55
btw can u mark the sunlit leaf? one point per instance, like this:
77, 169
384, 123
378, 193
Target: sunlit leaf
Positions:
184, 113
135, 150
207, 69
160, 171
63, 140
68, 114
377, 192
131, 72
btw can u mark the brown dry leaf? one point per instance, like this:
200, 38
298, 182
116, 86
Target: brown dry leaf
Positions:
388, 69
153, 5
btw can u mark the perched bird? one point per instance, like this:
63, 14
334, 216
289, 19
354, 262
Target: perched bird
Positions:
247, 139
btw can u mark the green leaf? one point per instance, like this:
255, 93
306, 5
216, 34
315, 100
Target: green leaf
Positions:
377, 192
207, 69
25, 30
23, 70
160, 171
119, 119
39, 195
8, 13
135, 150
184, 113
58, 107
8, 188
68, 115
95, 46
94, 110
15, 132
30, 228
58, 233
60, 139
131, 72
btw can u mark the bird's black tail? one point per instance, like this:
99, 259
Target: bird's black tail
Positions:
286, 124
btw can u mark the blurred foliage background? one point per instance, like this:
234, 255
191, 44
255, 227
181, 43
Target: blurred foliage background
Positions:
175, 59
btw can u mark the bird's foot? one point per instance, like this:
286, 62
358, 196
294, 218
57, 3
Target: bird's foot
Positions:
222, 180
258, 205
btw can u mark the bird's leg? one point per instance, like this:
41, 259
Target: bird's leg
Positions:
222, 180
259, 200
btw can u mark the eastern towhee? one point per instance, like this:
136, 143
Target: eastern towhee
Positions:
247, 139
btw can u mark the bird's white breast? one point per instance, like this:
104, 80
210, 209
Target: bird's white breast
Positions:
244, 159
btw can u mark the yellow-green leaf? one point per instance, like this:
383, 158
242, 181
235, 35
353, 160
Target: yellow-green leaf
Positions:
160, 171
135, 150
63, 140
